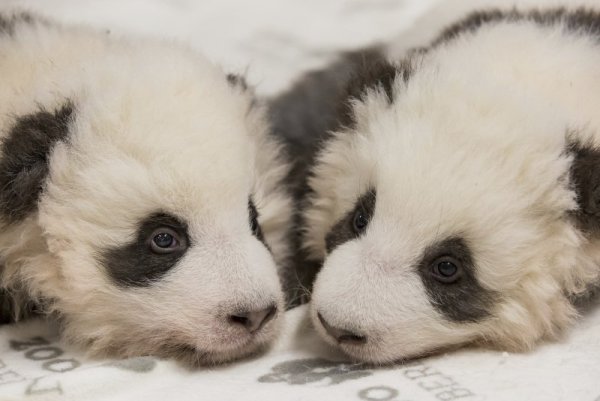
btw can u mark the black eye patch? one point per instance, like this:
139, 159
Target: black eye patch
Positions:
138, 264
448, 274
354, 223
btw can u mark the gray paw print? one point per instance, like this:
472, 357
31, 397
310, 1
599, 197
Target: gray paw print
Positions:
303, 371
142, 364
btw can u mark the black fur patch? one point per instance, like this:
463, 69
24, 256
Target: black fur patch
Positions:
7, 314
581, 20
465, 300
134, 264
471, 23
253, 216
343, 231
237, 81
25, 158
8, 22
304, 118
375, 73
305, 115
13, 309
585, 179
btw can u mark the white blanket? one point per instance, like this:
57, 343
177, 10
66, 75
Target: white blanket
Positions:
274, 41
34, 364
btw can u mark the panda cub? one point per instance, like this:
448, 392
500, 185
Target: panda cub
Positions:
140, 196
453, 196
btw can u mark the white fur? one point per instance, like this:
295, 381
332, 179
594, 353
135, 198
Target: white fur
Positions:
473, 145
157, 127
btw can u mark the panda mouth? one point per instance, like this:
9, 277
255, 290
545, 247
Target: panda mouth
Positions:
187, 353
193, 356
229, 345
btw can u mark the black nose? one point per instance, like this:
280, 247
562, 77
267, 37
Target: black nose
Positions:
342, 336
255, 320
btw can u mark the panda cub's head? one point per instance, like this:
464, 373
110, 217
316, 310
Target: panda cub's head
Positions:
141, 197
445, 204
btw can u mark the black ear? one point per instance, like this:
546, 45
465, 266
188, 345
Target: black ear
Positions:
24, 163
372, 71
585, 179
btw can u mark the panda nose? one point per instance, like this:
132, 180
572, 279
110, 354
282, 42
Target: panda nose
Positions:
342, 336
253, 320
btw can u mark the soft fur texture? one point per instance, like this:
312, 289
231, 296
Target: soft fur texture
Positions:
153, 128
478, 143
303, 116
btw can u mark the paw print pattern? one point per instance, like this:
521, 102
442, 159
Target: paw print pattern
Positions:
304, 371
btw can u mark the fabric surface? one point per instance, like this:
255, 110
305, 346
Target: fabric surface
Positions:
271, 41
34, 364
274, 41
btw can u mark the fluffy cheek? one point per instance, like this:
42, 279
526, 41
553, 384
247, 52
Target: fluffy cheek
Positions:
387, 305
184, 315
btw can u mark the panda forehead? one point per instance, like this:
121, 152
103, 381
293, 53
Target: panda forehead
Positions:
178, 105
421, 202
203, 135
187, 160
436, 162
126, 186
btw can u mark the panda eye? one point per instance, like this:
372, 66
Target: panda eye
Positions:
360, 221
446, 269
165, 240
